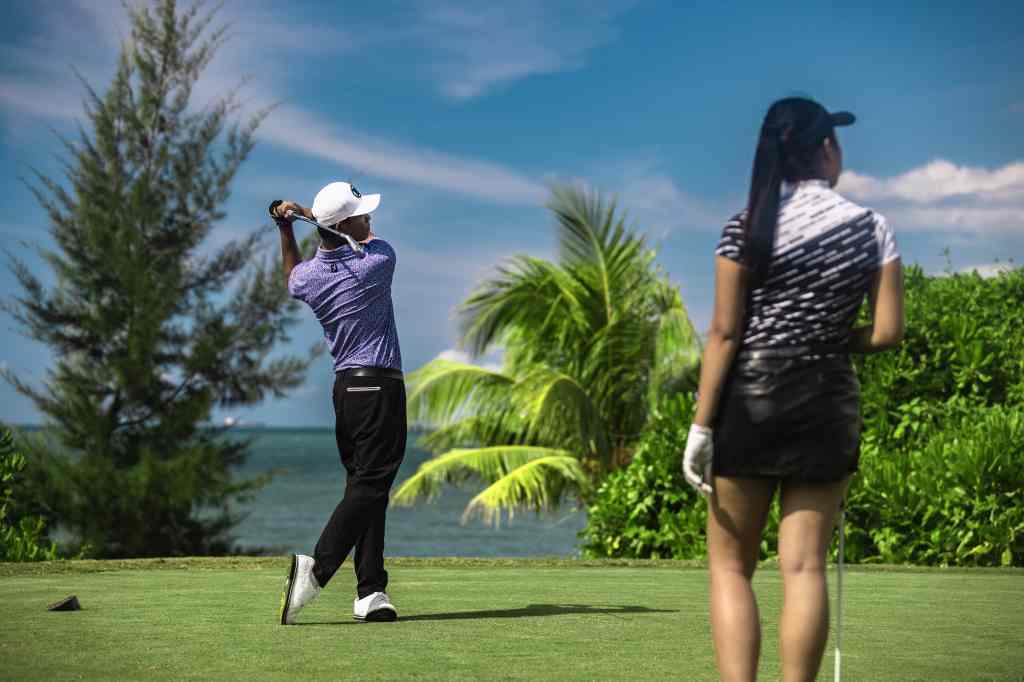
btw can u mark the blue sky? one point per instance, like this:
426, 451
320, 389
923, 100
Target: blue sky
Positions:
460, 113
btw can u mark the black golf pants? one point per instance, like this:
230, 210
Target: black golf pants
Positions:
370, 427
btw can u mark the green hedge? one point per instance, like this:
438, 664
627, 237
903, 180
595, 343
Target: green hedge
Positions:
951, 496
963, 340
21, 539
647, 510
941, 480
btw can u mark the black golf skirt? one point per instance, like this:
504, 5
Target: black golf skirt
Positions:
788, 414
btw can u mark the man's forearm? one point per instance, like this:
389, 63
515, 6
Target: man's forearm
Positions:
290, 256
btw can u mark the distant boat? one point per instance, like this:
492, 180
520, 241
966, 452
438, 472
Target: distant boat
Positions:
235, 422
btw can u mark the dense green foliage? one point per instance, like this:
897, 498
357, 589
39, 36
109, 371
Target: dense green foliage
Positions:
589, 343
21, 539
951, 495
647, 509
150, 325
941, 480
963, 340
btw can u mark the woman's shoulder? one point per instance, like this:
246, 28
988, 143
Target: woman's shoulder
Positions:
735, 225
849, 204
733, 237
866, 215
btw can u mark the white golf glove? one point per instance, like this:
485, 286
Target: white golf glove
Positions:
697, 459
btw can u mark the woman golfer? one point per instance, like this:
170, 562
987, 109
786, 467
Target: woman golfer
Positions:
778, 405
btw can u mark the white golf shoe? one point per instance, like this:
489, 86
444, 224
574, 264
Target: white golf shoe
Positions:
300, 588
374, 607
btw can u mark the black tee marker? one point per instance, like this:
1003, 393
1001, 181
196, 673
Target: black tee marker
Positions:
66, 604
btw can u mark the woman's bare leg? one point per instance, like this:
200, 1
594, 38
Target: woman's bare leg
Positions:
808, 517
737, 511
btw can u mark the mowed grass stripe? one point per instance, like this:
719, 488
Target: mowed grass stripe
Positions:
483, 620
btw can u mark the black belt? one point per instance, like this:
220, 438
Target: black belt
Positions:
373, 372
792, 352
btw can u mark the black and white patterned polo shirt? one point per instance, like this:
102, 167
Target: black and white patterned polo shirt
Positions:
827, 250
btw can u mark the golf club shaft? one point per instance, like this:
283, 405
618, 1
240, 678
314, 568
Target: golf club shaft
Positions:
839, 593
356, 246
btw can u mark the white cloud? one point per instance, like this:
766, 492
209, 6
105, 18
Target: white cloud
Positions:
963, 219
477, 47
40, 79
651, 199
454, 355
943, 197
989, 269
491, 362
939, 180
309, 134
661, 206
40, 99
48, 88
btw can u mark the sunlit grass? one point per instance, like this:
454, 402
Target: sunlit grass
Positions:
480, 619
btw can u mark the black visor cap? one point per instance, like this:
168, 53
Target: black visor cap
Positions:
842, 118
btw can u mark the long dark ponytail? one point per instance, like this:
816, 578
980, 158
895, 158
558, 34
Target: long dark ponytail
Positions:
787, 149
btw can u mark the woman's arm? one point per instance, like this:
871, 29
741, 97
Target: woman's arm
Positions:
886, 301
723, 338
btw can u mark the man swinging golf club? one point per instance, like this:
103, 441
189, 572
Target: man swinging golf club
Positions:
347, 284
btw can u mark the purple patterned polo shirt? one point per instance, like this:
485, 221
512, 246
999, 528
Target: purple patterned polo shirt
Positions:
351, 297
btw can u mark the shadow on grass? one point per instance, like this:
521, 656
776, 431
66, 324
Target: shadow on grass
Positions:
531, 611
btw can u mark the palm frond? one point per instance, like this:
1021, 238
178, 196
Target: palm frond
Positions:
584, 224
616, 371
488, 464
596, 246
443, 390
527, 293
472, 431
538, 484
555, 408
677, 354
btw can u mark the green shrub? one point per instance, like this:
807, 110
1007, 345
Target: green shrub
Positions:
21, 539
646, 509
953, 495
180, 506
963, 340
941, 478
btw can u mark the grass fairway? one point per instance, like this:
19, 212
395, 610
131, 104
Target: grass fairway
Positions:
488, 620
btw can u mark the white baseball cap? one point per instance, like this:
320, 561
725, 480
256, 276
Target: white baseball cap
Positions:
340, 200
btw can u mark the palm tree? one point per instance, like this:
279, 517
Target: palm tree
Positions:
589, 343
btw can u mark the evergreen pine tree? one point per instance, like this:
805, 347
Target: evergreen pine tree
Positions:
151, 328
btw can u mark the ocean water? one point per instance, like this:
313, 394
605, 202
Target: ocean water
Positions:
288, 515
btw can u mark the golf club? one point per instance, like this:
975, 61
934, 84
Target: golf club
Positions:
839, 594
356, 246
